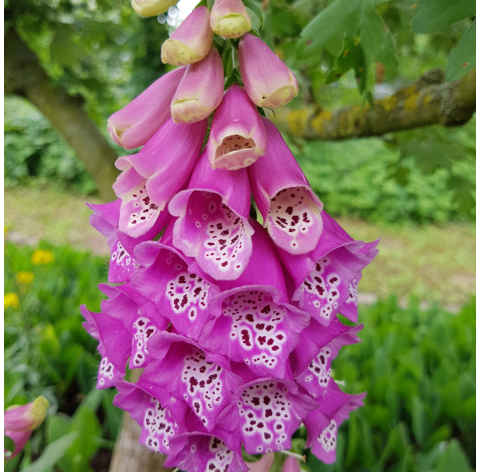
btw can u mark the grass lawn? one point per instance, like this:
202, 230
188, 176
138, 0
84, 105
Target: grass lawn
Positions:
434, 263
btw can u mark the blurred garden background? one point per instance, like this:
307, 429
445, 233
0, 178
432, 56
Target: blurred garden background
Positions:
405, 175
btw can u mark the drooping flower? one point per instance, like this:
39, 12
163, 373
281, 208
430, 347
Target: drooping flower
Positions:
267, 80
238, 136
146, 8
137, 122
106, 220
323, 424
213, 224
161, 167
326, 278
200, 91
191, 41
179, 295
187, 373
255, 325
20, 421
266, 412
153, 414
291, 210
229, 18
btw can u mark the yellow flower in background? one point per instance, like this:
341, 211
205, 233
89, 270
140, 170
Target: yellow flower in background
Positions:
24, 277
40, 257
10, 300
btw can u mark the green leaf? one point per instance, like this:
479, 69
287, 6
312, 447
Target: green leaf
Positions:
333, 22
63, 49
420, 421
254, 8
8, 444
453, 458
377, 41
86, 424
52, 453
436, 14
463, 58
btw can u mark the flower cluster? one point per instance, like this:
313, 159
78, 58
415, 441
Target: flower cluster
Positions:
234, 323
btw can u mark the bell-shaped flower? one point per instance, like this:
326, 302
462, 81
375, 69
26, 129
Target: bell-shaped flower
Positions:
154, 412
326, 278
237, 136
20, 421
139, 318
108, 375
185, 372
213, 224
137, 122
191, 41
291, 210
291, 464
267, 80
315, 378
323, 424
267, 412
316, 338
263, 464
179, 295
198, 450
147, 8
229, 18
255, 325
106, 220
200, 91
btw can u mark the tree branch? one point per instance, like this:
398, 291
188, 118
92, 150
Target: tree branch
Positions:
424, 103
25, 76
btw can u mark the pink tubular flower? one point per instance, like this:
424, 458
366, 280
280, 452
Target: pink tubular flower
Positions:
238, 136
255, 325
326, 278
20, 421
267, 80
213, 224
153, 176
106, 220
191, 41
322, 424
229, 18
136, 123
179, 294
263, 464
200, 91
291, 210
291, 465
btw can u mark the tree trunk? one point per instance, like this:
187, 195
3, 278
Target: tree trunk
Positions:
25, 76
429, 101
129, 455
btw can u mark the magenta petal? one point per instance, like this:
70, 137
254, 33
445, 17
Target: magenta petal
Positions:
324, 278
185, 371
168, 158
316, 336
179, 295
213, 221
255, 331
158, 424
315, 378
291, 210
136, 123
322, 424
108, 376
20, 438
198, 451
267, 412
238, 136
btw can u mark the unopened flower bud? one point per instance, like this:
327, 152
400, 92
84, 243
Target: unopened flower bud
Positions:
200, 91
137, 122
267, 80
26, 417
229, 18
146, 8
191, 41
